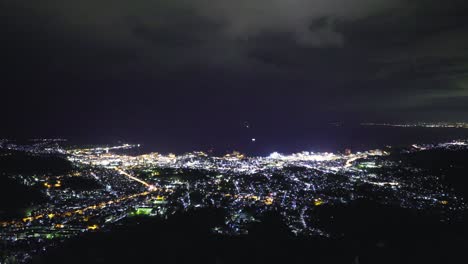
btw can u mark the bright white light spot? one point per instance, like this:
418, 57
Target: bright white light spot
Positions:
275, 155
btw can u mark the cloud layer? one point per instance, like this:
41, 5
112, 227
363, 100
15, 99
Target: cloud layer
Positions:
239, 19
389, 53
248, 18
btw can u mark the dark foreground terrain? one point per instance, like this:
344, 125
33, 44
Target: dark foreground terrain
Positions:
372, 234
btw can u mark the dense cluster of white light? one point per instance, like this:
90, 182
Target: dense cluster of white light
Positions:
304, 156
235, 162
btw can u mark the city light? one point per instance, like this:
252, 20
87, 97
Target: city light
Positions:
157, 185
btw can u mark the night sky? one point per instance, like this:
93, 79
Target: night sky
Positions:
184, 71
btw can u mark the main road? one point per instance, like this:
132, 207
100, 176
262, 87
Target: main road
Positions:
126, 174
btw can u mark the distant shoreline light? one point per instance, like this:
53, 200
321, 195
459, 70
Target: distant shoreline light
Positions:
421, 124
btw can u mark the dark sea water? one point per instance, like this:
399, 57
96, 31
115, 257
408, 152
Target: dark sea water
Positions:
324, 139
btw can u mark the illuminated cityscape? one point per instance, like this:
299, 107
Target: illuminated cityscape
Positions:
156, 185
